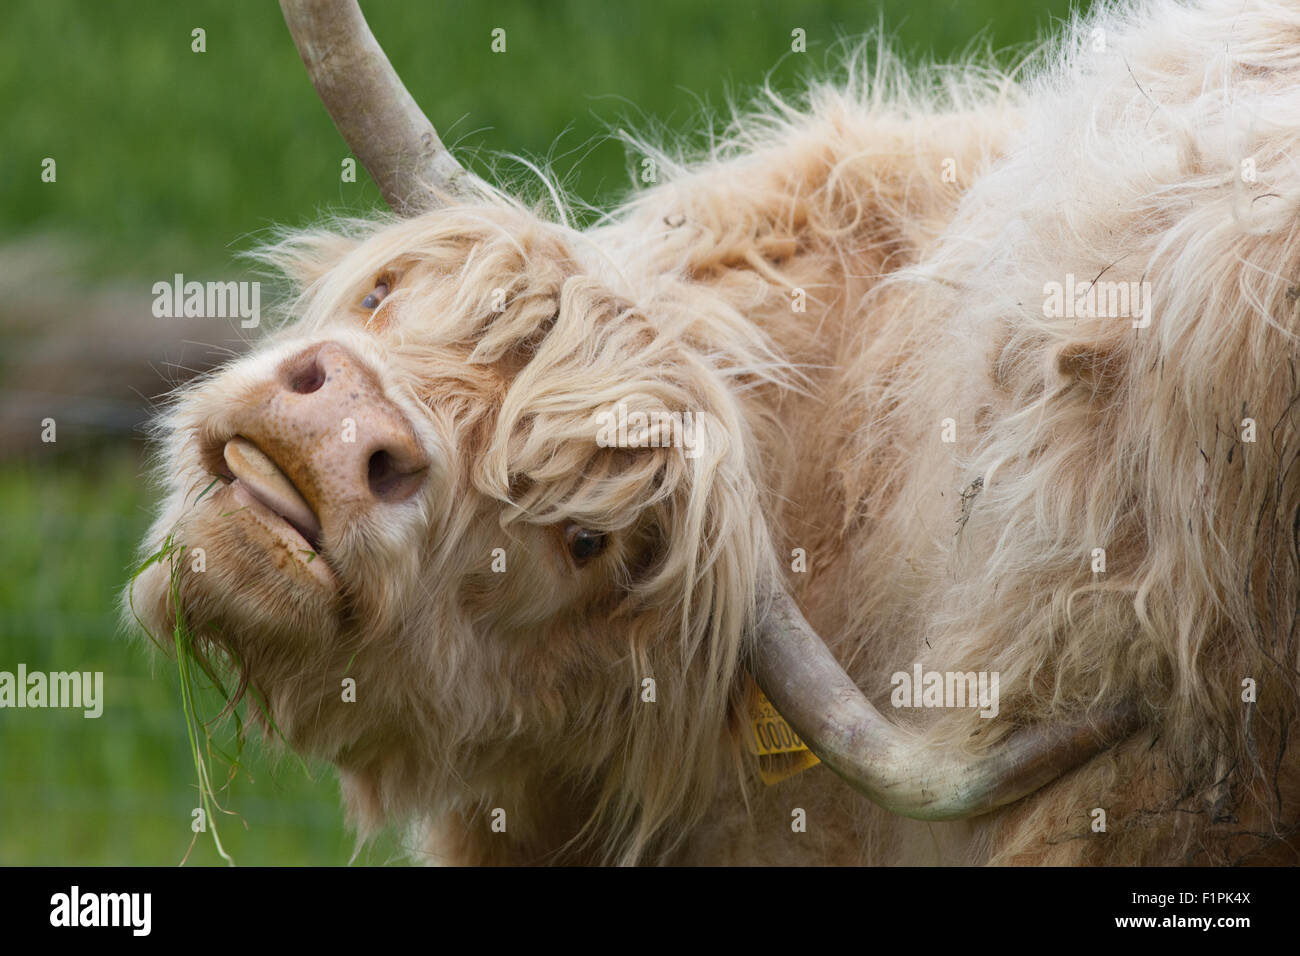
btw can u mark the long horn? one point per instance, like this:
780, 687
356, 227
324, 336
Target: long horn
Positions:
890, 765
377, 117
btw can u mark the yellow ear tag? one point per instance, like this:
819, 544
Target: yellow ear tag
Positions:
780, 752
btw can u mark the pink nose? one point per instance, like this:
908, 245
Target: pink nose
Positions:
325, 421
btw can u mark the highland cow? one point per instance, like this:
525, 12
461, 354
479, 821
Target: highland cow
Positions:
910, 458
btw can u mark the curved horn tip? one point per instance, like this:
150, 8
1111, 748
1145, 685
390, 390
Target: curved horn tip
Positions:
371, 108
894, 767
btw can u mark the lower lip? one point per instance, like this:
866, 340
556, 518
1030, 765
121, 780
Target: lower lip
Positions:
297, 546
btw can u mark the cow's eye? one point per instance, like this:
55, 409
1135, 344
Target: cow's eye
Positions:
372, 301
583, 544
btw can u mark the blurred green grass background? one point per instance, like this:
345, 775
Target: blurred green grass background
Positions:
174, 161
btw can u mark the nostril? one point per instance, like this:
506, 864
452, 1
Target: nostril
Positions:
387, 481
380, 472
307, 378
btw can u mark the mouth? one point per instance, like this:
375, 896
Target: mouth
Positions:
262, 479
259, 485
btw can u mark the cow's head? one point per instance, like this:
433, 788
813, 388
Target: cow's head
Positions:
494, 493
500, 490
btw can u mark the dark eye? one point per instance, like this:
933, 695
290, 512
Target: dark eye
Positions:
372, 301
583, 544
